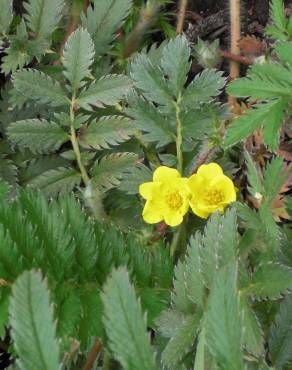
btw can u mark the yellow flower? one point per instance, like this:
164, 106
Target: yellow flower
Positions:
211, 190
167, 197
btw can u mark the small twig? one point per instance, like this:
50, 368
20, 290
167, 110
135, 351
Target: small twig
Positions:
147, 18
234, 47
206, 26
181, 16
160, 232
74, 20
95, 350
204, 156
236, 58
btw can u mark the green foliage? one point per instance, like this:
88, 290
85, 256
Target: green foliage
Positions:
163, 105
150, 121
30, 84
33, 33
269, 83
125, 324
108, 90
222, 317
281, 26
103, 19
34, 337
175, 63
40, 136
5, 15
269, 280
43, 16
107, 131
78, 57
59, 181
204, 87
281, 336
264, 190
69, 248
108, 171
85, 126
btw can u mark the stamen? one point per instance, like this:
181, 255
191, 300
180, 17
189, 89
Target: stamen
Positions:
214, 196
174, 200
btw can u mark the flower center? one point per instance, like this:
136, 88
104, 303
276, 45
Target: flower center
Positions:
174, 200
214, 197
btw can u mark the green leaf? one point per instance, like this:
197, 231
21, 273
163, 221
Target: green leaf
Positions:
279, 20
254, 118
219, 245
256, 186
135, 177
30, 84
273, 126
78, 57
17, 54
150, 80
280, 342
252, 335
183, 338
222, 318
155, 127
106, 132
277, 13
274, 178
180, 298
6, 15
34, 337
58, 181
193, 273
43, 16
108, 90
264, 81
175, 63
103, 19
200, 353
108, 171
269, 280
169, 321
125, 324
8, 170
284, 51
91, 317
269, 230
203, 88
198, 122
68, 313
14, 58
38, 135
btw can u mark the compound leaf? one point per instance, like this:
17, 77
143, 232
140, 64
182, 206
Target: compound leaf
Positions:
125, 324
37, 135
34, 337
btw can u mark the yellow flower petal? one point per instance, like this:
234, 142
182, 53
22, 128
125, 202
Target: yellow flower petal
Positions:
151, 213
173, 218
209, 171
199, 211
196, 184
147, 189
226, 185
164, 174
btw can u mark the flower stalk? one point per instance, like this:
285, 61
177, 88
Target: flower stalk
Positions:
75, 145
179, 138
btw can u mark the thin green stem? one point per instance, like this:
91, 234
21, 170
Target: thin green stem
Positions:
106, 361
175, 241
75, 145
179, 153
179, 138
